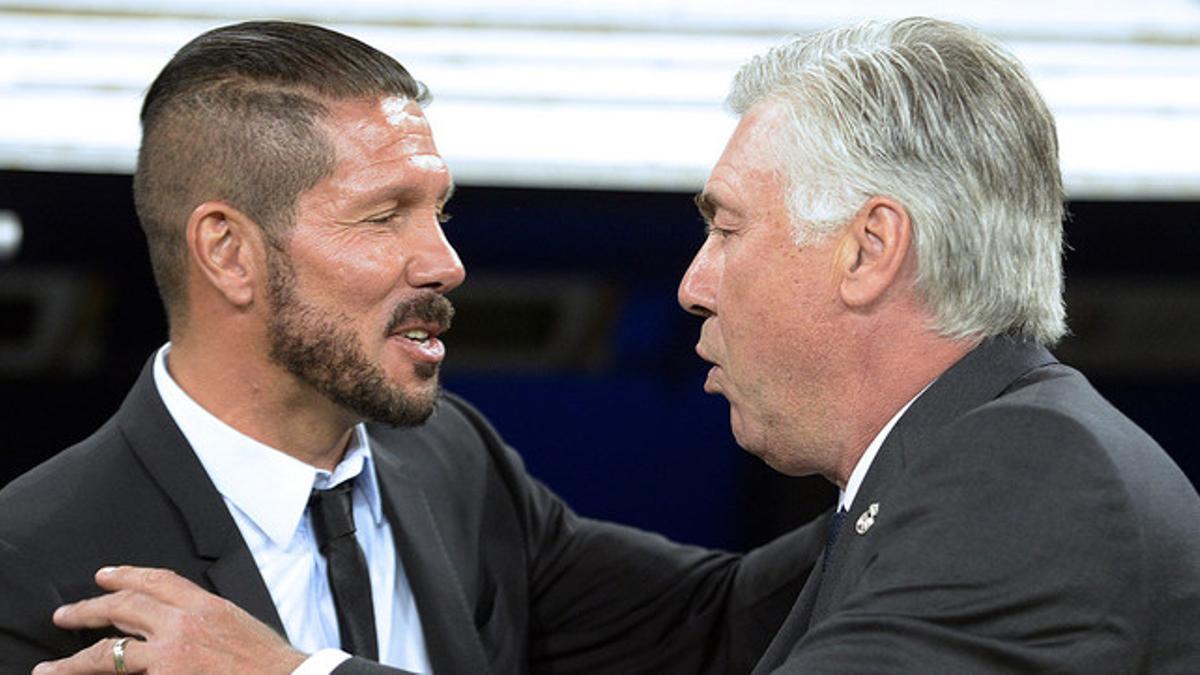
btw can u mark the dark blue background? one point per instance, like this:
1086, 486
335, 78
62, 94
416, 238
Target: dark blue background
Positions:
629, 436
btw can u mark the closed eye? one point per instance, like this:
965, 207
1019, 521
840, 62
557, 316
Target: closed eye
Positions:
382, 219
392, 216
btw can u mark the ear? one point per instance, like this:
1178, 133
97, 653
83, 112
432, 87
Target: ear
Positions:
226, 246
873, 251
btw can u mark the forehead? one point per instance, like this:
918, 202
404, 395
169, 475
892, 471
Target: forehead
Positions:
369, 123
383, 142
748, 168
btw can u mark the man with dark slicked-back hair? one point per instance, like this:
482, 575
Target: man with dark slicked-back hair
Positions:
249, 106
305, 495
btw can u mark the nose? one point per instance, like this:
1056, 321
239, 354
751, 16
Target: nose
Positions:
436, 264
698, 288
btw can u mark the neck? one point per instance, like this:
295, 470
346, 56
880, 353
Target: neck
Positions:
888, 380
262, 401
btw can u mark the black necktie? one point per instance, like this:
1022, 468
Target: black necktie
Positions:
333, 525
835, 525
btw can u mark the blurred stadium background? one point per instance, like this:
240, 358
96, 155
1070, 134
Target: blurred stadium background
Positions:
578, 132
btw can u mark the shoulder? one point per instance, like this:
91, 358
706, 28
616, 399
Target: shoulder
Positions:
73, 513
1051, 428
1048, 470
66, 487
84, 482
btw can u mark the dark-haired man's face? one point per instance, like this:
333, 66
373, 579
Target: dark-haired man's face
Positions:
356, 296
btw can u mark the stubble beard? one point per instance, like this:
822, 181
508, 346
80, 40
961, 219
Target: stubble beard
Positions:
314, 346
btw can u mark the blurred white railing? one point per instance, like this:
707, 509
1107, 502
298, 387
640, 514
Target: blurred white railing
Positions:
609, 93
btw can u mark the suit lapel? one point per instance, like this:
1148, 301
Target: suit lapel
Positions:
797, 621
219, 548
235, 577
450, 633
844, 567
980, 376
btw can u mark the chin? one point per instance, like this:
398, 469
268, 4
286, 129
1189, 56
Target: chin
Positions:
427, 372
423, 395
779, 459
786, 467
412, 380
428, 396
747, 436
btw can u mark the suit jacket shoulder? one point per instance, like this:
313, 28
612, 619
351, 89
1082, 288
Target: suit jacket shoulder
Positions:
132, 493
1013, 521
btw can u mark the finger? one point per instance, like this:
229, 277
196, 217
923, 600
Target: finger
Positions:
97, 659
162, 584
130, 611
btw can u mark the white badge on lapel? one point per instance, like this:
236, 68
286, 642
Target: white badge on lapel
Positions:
867, 519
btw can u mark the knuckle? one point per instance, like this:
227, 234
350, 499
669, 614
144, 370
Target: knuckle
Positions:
119, 599
101, 650
157, 577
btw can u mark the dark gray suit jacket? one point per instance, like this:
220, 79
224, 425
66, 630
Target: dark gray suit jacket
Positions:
1023, 525
506, 578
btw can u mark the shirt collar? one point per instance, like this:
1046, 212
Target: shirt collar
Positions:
868, 456
237, 464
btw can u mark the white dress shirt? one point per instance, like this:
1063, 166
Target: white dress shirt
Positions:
864, 463
267, 494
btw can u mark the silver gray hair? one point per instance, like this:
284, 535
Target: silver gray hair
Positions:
945, 121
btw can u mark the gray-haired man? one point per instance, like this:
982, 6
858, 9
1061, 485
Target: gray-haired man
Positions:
880, 279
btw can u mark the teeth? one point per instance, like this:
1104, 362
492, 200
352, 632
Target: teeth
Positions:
416, 335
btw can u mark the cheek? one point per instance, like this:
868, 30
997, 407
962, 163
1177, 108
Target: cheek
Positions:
357, 272
747, 299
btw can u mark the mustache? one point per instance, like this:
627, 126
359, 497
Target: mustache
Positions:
427, 308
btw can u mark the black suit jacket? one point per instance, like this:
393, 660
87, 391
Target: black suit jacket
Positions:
506, 578
1022, 525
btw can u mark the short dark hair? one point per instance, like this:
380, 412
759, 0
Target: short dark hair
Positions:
234, 116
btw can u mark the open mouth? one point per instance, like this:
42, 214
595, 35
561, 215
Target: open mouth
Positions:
417, 324
417, 335
420, 343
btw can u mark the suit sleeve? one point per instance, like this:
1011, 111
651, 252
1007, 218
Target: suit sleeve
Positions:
607, 598
1010, 548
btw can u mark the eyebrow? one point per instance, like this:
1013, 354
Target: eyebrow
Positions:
403, 195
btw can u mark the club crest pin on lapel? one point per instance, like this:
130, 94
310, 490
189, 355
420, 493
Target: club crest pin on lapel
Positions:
867, 519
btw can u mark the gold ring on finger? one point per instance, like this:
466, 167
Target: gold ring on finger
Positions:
118, 650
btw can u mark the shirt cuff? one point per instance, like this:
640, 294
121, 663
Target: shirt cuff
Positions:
322, 663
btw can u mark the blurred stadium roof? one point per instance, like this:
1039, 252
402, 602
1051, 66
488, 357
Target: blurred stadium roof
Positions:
617, 94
